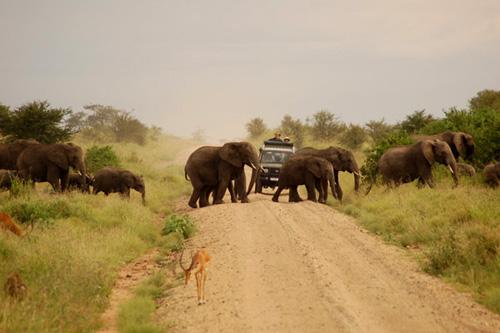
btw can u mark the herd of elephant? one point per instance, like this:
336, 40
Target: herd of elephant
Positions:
31, 161
212, 170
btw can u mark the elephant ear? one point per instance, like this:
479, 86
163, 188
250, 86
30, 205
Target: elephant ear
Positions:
314, 167
59, 158
229, 153
458, 141
428, 151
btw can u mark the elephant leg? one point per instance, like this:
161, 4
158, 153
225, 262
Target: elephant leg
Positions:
340, 194
240, 184
53, 178
64, 180
194, 197
311, 193
277, 193
323, 185
293, 194
221, 189
205, 196
421, 182
232, 192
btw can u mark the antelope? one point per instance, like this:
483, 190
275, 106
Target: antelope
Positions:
7, 223
199, 261
15, 287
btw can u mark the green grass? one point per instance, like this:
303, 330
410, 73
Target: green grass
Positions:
456, 230
79, 242
136, 315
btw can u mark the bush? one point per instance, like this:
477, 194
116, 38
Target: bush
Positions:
97, 158
326, 126
396, 138
353, 137
294, 129
415, 122
181, 224
482, 124
39, 212
378, 129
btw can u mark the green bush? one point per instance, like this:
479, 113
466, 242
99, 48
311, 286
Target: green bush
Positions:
36, 212
353, 137
181, 224
482, 124
396, 138
98, 157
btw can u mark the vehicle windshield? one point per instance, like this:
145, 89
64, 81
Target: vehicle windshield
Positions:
275, 156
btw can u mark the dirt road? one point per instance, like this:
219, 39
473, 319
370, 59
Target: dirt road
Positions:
280, 267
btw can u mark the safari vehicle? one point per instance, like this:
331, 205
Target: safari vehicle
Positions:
272, 156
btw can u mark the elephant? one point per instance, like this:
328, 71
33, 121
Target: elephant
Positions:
491, 174
404, 164
341, 160
212, 168
461, 144
82, 183
50, 163
9, 152
112, 180
307, 170
6, 178
465, 169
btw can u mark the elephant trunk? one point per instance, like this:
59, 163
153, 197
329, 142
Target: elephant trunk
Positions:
331, 180
256, 170
252, 180
143, 197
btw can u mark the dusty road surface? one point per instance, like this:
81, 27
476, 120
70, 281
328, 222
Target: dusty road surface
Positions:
280, 267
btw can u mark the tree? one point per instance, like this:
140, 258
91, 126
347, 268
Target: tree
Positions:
353, 137
416, 121
256, 127
325, 125
36, 120
127, 128
294, 129
378, 129
486, 99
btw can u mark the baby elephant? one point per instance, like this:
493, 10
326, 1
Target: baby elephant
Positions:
6, 178
466, 170
77, 182
112, 180
491, 174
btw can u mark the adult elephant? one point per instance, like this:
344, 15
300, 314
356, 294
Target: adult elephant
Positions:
404, 164
341, 160
491, 174
307, 170
6, 178
118, 180
210, 168
9, 152
50, 163
461, 144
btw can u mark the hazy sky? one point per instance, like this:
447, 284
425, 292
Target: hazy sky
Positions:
184, 65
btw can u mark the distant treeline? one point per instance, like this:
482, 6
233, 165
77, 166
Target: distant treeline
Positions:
481, 119
98, 123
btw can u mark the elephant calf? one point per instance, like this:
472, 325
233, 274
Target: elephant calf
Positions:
6, 178
117, 180
465, 169
313, 172
79, 182
491, 174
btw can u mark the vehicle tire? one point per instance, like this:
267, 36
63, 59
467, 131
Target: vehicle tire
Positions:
258, 186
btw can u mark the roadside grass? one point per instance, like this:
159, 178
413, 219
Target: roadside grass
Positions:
457, 230
137, 314
70, 259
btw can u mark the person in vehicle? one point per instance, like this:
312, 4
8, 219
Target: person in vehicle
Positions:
286, 139
276, 137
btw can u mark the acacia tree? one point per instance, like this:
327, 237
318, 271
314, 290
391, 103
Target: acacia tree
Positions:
294, 129
325, 125
256, 127
378, 129
36, 120
416, 121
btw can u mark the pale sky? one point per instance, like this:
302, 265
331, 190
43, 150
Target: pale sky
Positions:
186, 65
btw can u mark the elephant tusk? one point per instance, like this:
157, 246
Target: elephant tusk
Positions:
357, 173
451, 170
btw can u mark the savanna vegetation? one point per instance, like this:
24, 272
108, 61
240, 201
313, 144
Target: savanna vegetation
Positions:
454, 232
77, 242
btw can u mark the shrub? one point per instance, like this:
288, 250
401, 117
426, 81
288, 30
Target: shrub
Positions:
416, 121
378, 129
294, 129
181, 224
39, 212
98, 157
325, 126
396, 138
353, 137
